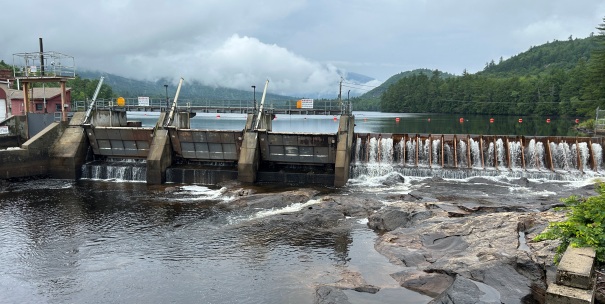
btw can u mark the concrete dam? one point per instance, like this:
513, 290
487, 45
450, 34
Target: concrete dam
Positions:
104, 144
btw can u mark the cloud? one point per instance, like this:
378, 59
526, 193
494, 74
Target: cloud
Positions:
302, 46
239, 62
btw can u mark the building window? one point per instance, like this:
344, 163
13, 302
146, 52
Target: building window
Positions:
58, 107
39, 107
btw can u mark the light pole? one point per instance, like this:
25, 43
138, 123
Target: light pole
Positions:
254, 88
348, 103
166, 87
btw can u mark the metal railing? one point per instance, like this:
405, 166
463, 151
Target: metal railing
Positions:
188, 104
43, 64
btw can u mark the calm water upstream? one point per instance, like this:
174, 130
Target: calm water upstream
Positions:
124, 242
376, 122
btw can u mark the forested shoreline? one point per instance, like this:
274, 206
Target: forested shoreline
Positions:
557, 78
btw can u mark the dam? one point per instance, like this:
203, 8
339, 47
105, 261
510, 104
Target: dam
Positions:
102, 143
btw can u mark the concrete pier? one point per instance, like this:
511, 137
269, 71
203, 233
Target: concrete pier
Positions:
69, 151
575, 278
343, 151
159, 158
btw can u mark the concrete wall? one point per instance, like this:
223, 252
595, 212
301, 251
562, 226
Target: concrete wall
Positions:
68, 153
249, 158
108, 118
32, 158
159, 158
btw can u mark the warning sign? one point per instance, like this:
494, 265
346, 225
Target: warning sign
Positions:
143, 101
305, 103
3, 130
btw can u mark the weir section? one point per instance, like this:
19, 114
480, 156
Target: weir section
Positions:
556, 154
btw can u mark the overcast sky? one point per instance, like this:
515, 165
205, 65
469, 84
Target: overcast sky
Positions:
299, 45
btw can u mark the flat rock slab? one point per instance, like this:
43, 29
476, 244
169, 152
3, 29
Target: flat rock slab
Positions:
559, 294
576, 268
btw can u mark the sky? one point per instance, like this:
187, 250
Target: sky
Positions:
301, 46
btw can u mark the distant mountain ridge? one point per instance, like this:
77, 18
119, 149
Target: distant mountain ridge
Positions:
128, 87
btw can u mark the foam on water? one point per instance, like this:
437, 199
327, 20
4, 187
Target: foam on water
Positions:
201, 193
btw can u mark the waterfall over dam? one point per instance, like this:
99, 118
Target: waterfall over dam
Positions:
461, 156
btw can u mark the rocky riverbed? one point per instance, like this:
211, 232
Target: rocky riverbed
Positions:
453, 241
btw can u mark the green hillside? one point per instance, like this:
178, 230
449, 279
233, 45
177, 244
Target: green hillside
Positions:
370, 101
556, 78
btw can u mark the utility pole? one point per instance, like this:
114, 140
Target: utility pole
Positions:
167, 105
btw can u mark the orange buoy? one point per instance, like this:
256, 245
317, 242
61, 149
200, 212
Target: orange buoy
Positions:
429, 120
520, 120
461, 119
397, 119
548, 120
577, 120
335, 118
218, 115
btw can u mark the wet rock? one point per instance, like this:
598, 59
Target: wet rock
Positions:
330, 295
480, 247
523, 182
430, 284
464, 291
452, 210
353, 205
393, 179
401, 214
354, 281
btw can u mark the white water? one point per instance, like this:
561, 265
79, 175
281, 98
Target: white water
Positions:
133, 170
425, 157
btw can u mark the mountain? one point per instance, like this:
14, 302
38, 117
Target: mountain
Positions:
538, 59
559, 78
370, 100
127, 87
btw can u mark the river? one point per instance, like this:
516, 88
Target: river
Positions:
126, 242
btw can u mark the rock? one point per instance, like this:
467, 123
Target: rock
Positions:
480, 247
401, 214
430, 284
330, 295
354, 281
464, 291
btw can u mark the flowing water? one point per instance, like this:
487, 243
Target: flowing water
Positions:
110, 238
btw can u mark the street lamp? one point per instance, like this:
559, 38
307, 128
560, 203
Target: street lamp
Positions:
254, 88
166, 87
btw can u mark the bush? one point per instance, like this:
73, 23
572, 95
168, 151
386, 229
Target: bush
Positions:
583, 226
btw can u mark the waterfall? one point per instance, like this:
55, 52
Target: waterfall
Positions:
116, 169
534, 155
436, 153
411, 157
411, 152
462, 156
475, 154
597, 152
562, 157
514, 150
500, 154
